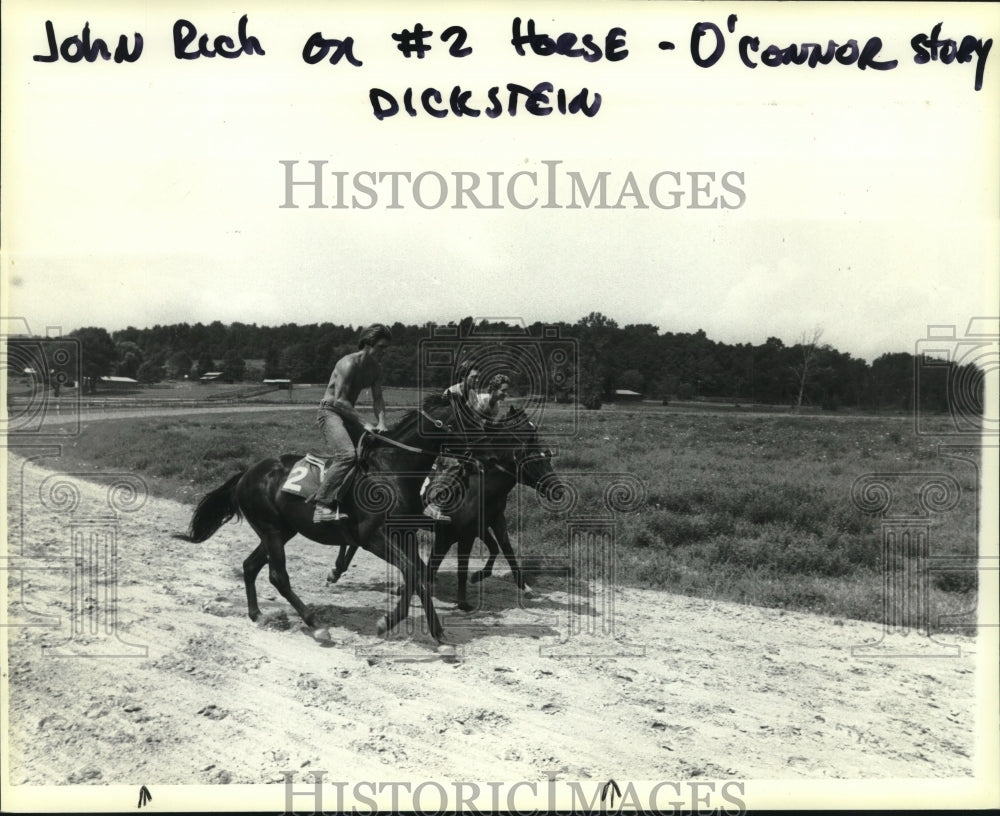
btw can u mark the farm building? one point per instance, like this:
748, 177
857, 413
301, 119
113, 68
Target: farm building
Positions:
625, 395
118, 383
210, 376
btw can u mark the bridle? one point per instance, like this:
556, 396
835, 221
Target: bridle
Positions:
440, 424
525, 451
437, 423
520, 454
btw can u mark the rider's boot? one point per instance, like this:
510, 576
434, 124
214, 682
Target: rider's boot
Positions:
434, 512
322, 514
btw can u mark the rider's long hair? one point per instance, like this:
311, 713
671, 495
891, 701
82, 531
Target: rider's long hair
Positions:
373, 333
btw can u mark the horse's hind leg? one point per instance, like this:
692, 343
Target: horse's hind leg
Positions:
344, 558
443, 539
275, 544
251, 567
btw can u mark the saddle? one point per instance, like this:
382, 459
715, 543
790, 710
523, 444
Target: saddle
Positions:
306, 474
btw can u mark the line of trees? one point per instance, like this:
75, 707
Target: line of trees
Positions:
608, 357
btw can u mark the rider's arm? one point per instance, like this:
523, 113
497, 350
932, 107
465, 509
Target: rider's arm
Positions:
346, 371
378, 403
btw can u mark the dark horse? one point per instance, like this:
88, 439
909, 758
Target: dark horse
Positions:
387, 469
477, 503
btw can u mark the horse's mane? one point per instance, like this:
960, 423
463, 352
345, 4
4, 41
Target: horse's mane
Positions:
436, 401
514, 420
430, 403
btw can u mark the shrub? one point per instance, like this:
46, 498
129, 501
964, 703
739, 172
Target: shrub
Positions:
958, 581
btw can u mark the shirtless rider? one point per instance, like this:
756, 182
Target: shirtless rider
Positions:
351, 375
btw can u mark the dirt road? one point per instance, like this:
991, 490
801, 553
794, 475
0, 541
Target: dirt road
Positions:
189, 691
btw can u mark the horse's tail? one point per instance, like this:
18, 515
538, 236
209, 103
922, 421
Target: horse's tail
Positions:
214, 510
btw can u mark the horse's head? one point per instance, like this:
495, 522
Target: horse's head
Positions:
518, 449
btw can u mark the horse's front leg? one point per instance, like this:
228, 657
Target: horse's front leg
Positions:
503, 540
443, 539
464, 549
414, 581
489, 539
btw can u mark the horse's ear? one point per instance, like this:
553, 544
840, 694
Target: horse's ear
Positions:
511, 411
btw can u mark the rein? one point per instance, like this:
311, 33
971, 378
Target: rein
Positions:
440, 425
437, 423
502, 469
399, 445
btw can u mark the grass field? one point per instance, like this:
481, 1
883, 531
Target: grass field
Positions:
743, 507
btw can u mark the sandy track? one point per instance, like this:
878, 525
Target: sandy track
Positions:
206, 696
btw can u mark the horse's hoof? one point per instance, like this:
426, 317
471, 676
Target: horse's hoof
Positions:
322, 634
255, 616
382, 627
465, 606
527, 590
476, 577
333, 577
445, 650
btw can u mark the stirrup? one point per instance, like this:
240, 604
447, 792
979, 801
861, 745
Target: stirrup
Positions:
323, 513
434, 512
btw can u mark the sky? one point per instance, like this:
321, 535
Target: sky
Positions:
862, 202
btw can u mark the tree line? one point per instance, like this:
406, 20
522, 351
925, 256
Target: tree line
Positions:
605, 358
